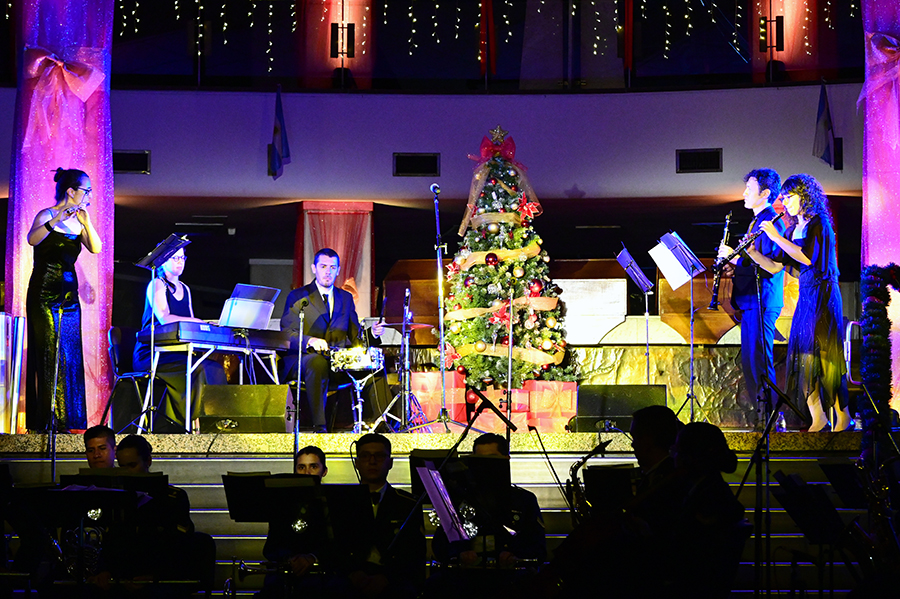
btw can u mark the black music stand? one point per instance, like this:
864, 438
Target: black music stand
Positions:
638, 277
60, 508
156, 258
679, 265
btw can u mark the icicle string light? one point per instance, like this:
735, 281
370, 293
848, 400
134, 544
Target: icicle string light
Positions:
224, 23
667, 32
688, 9
269, 54
434, 22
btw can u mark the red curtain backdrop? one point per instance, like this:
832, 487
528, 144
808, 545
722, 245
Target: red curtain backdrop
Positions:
345, 227
62, 119
881, 156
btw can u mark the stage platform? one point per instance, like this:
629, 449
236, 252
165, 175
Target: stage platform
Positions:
339, 443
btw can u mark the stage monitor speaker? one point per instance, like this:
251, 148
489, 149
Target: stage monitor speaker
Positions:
616, 403
244, 408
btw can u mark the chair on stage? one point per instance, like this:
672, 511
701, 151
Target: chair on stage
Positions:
122, 407
339, 396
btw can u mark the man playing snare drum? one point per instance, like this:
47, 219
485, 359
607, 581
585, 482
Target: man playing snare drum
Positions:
330, 321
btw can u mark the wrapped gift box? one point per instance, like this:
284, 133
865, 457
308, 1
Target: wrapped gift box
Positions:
426, 386
552, 399
490, 423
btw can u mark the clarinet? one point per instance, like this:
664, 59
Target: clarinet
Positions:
749, 239
717, 276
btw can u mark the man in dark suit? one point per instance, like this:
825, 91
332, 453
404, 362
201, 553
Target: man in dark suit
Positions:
758, 307
330, 321
390, 558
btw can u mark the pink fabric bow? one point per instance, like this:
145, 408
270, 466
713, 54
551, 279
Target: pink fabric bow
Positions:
882, 87
489, 149
58, 96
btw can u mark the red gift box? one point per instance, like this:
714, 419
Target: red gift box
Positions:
426, 386
552, 399
490, 423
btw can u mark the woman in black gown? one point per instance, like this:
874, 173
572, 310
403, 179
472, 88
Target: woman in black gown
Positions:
169, 300
53, 309
815, 367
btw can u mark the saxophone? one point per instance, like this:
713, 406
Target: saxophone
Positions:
717, 276
578, 501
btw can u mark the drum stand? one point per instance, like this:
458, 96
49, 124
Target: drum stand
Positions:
358, 386
410, 411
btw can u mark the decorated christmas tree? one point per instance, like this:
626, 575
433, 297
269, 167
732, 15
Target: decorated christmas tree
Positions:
500, 261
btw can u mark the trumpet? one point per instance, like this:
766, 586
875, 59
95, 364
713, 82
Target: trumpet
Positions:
717, 277
749, 239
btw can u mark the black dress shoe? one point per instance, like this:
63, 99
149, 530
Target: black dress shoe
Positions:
320, 430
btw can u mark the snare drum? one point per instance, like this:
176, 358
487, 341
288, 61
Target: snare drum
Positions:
357, 358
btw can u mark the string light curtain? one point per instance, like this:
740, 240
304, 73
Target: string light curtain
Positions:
62, 119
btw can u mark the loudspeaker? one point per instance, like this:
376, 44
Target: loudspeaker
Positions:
244, 408
598, 403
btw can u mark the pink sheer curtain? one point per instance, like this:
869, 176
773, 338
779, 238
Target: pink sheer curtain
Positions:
344, 227
62, 119
881, 156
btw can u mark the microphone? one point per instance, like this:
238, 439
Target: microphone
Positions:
486, 403
303, 303
435, 188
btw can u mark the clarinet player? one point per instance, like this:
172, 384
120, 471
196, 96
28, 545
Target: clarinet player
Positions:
757, 295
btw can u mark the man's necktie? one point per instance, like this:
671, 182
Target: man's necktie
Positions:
327, 307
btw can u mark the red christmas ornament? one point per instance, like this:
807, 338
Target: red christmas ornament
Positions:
461, 369
504, 341
457, 307
492, 259
535, 287
492, 181
468, 282
545, 367
562, 343
471, 396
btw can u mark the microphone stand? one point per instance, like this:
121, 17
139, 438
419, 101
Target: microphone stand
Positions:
760, 459
512, 295
443, 417
416, 508
296, 410
53, 419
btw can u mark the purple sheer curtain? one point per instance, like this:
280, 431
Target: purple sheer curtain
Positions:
62, 119
880, 99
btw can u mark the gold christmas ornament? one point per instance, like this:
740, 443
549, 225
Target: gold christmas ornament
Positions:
493, 228
454, 328
546, 345
480, 346
551, 322
519, 272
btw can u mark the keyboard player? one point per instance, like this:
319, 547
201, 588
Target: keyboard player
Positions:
168, 300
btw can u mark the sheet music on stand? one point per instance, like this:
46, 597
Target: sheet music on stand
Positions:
631, 268
163, 251
676, 260
440, 499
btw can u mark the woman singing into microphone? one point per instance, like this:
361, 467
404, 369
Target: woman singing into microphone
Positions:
815, 363
53, 309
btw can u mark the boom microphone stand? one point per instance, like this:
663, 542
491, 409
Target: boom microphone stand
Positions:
443, 417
